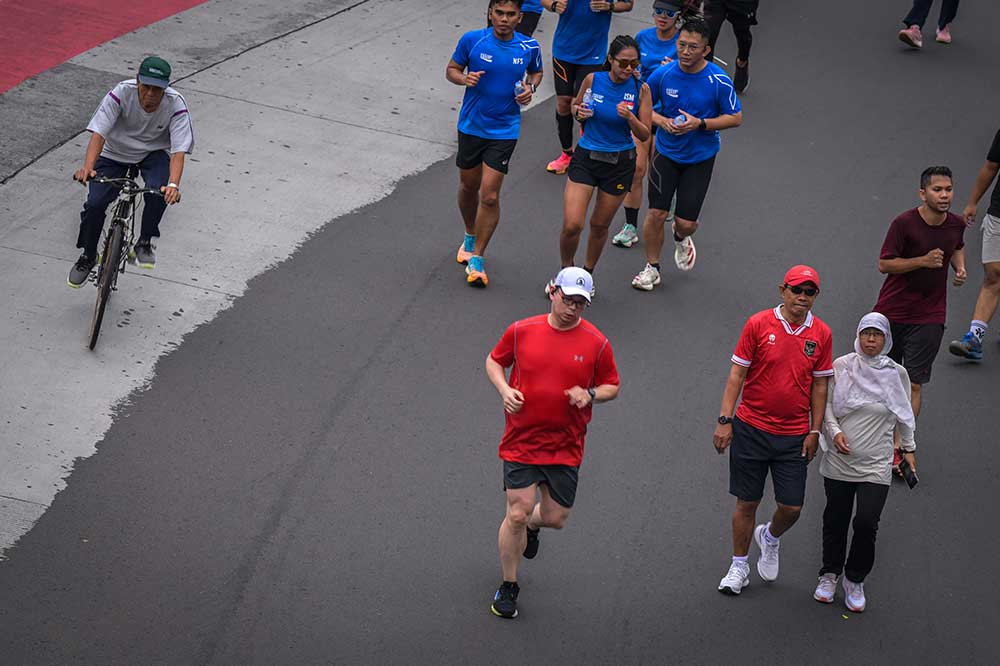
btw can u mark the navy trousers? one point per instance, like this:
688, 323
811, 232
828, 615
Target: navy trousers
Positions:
921, 8
155, 170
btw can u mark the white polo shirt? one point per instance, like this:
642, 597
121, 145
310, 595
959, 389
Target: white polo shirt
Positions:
130, 133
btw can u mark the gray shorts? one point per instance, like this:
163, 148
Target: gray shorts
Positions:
991, 239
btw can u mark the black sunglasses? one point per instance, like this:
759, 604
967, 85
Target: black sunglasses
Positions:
808, 291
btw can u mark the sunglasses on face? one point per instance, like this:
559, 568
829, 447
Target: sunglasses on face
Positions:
625, 64
808, 291
669, 13
575, 304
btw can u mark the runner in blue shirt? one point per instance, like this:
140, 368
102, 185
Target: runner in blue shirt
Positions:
657, 46
531, 11
489, 63
621, 109
578, 49
699, 92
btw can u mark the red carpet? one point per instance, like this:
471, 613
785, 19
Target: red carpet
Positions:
39, 34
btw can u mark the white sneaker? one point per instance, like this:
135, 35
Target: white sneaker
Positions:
550, 286
684, 254
736, 579
826, 588
767, 565
854, 596
647, 278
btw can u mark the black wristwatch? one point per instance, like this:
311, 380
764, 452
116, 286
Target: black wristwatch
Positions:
702, 125
592, 393
725, 420
534, 88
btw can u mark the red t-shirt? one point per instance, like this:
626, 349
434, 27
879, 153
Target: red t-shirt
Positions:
546, 362
777, 394
918, 297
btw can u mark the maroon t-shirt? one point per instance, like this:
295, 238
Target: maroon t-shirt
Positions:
918, 297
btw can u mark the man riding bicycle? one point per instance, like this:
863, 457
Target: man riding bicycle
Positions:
143, 123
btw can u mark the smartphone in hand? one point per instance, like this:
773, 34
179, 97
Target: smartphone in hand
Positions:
909, 475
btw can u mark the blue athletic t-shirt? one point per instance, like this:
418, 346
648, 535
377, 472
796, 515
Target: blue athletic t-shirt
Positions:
652, 51
581, 35
489, 110
606, 131
532, 6
707, 94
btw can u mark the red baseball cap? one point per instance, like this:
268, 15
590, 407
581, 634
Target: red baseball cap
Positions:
800, 275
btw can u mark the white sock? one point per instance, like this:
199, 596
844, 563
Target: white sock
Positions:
770, 538
978, 329
741, 559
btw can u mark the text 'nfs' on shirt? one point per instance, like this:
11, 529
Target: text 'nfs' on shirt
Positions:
131, 133
489, 109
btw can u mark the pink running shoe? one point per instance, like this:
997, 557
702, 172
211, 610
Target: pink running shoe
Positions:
560, 164
912, 36
944, 35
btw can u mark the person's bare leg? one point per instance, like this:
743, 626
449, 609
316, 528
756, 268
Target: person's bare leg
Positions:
469, 181
600, 220
634, 197
576, 198
488, 212
685, 228
784, 517
548, 512
652, 234
744, 520
513, 535
989, 293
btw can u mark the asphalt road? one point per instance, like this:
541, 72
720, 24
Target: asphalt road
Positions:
312, 476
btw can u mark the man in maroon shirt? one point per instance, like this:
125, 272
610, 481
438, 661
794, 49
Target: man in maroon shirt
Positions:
920, 245
560, 366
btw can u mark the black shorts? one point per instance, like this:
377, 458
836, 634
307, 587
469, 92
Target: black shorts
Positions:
569, 76
614, 179
753, 452
688, 181
529, 21
915, 346
475, 150
561, 479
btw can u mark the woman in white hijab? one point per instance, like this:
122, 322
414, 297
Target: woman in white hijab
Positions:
868, 398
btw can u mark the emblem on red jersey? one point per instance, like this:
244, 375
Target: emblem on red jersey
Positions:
810, 347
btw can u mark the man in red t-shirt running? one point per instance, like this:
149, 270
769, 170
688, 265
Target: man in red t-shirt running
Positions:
782, 364
920, 245
560, 366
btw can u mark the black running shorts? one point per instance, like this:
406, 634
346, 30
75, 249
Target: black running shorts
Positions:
688, 181
569, 76
561, 479
615, 179
753, 452
475, 150
915, 346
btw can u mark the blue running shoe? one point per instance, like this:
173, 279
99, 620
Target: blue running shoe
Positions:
968, 347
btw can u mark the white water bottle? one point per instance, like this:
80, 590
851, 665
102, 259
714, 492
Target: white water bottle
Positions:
518, 88
588, 99
680, 119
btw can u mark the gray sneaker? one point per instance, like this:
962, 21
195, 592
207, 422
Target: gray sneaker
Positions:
145, 256
80, 271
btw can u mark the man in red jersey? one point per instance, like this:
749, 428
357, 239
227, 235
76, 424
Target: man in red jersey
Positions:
560, 366
782, 364
920, 245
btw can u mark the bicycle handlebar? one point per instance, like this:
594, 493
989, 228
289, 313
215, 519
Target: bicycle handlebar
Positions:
128, 185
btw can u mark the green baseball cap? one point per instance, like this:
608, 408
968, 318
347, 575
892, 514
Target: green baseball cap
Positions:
155, 71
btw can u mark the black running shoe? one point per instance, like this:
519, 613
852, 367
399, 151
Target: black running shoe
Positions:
742, 78
80, 271
505, 600
531, 548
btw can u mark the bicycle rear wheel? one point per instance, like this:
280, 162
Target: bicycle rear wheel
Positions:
109, 268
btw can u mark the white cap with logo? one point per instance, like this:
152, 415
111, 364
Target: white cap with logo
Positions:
573, 281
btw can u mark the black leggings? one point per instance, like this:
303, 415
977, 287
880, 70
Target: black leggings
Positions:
840, 497
741, 14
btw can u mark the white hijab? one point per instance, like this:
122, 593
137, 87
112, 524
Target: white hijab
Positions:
872, 379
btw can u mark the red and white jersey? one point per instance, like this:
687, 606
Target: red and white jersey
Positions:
777, 393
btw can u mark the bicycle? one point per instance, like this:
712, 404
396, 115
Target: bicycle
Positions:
118, 241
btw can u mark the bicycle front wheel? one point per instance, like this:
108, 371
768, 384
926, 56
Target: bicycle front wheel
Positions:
109, 266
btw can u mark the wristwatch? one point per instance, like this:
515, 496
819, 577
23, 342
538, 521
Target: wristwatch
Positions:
534, 88
725, 420
702, 125
592, 393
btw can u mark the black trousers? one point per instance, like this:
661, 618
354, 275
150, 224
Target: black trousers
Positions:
921, 8
741, 14
840, 505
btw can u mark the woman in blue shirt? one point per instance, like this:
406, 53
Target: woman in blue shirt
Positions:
657, 46
619, 106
